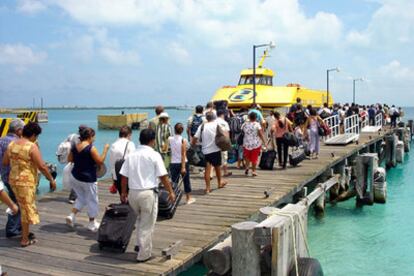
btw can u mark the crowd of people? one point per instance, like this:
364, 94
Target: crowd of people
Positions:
162, 156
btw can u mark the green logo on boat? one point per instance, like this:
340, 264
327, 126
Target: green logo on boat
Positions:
241, 95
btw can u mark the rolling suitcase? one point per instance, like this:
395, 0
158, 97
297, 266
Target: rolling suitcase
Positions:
116, 227
166, 209
267, 160
296, 157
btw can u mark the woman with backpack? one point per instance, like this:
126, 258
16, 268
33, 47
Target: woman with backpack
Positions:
311, 131
253, 137
281, 126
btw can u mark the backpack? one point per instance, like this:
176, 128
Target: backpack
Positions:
197, 121
63, 151
235, 125
118, 166
324, 114
300, 118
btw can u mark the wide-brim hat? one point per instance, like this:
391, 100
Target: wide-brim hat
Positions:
164, 115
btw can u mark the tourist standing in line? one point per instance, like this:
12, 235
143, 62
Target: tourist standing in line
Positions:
141, 172
179, 163
86, 159
120, 149
371, 115
162, 132
206, 134
226, 129
281, 126
13, 225
25, 159
270, 120
313, 122
393, 112
153, 122
252, 142
195, 121
4, 197
259, 116
210, 108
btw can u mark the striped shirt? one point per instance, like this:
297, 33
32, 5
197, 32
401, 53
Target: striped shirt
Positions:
162, 132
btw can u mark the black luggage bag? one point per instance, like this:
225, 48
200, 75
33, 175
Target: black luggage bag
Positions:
267, 160
166, 209
116, 227
296, 157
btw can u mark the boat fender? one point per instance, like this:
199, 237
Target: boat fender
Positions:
307, 267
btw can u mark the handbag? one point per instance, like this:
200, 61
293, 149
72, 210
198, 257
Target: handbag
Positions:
222, 141
66, 176
296, 157
290, 139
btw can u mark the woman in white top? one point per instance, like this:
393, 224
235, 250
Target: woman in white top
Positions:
179, 164
252, 142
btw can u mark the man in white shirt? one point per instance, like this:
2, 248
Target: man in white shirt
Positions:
206, 134
120, 149
226, 128
142, 171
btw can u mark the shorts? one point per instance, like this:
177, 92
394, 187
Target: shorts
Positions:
252, 155
214, 158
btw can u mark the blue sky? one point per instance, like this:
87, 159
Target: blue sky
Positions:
176, 52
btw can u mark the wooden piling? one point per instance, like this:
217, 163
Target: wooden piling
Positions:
390, 150
245, 254
366, 164
218, 258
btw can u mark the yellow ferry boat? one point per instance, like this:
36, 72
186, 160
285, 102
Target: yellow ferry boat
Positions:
267, 95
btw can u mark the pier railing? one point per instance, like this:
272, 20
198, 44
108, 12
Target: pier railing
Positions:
333, 123
351, 125
378, 120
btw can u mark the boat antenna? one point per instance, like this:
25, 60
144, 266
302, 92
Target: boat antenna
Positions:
262, 59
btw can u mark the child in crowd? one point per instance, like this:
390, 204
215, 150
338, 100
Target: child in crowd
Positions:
179, 164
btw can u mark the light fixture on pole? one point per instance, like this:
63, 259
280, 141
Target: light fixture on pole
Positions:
327, 82
353, 82
271, 45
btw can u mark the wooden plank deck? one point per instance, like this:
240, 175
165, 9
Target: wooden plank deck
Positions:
199, 226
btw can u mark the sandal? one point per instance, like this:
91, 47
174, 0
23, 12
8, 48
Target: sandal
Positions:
228, 174
246, 172
223, 183
254, 174
30, 242
31, 236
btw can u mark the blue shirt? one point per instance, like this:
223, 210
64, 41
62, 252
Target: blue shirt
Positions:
259, 116
4, 143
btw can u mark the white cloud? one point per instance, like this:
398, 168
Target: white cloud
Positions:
390, 25
178, 53
31, 6
117, 57
20, 56
97, 43
214, 22
395, 70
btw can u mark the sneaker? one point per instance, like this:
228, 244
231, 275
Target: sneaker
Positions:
70, 221
192, 200
93, 226
71, 201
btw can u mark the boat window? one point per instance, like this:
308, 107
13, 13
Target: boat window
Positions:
260, 79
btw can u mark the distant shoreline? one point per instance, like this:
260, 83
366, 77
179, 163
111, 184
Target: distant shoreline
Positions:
96, 108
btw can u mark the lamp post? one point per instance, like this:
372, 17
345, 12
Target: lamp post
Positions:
270, 45
327, 82
353, 82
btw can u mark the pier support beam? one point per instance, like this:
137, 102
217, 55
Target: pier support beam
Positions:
410, 126
399, 156
218, 258
390, 150
246, 254
366, 165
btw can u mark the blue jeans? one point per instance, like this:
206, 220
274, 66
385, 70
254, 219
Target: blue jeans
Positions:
175, 170
13, 226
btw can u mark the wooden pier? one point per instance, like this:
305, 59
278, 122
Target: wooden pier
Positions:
198, 226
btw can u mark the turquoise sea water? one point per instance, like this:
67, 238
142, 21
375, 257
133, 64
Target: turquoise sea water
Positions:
375, 240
